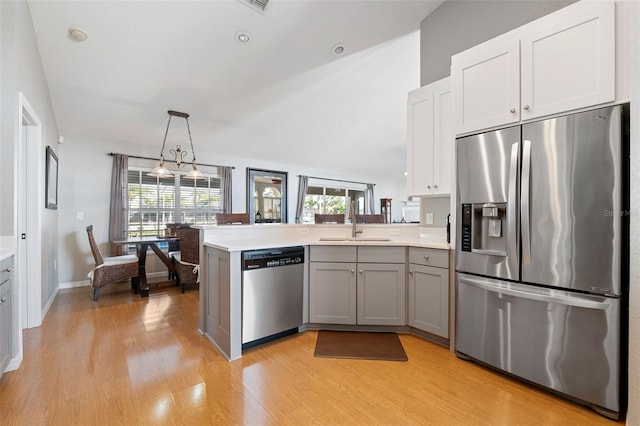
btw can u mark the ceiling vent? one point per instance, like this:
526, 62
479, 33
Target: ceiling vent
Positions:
259, 5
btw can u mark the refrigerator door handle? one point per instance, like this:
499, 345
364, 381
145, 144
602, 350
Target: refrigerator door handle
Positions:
512, 206
548, 296
524, 200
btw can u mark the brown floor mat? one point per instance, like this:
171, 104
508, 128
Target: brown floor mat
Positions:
359, 345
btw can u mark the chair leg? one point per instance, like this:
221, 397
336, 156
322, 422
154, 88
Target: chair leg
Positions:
95, 294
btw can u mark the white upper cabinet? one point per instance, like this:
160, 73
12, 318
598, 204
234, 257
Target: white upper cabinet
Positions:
430, 139
486, 84
558, 63
569, 62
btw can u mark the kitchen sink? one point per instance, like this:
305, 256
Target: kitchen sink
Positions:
355, 239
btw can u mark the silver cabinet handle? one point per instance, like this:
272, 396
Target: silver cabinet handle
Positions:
513, 110
526, 107
361, 271
6, 270
435, 186
4, 299
353, 272
428, 186
426, 257
410, 272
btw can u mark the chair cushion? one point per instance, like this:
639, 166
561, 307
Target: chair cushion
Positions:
119, 260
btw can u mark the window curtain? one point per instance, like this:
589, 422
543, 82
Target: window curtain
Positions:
225, 184
372, 204
303, 185
118, 206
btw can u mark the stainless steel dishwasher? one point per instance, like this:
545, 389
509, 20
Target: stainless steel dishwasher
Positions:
272, 285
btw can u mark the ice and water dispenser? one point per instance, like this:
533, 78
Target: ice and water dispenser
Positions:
482, 228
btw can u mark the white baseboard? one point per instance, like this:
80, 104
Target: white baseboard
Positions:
49, 303
74, 284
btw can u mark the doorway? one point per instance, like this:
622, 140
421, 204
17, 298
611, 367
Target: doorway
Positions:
29, 240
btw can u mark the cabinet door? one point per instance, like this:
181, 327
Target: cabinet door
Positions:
429, 299
420, 141
332, 293
568, 61
218, 298
486, 85
5, 325
444, 137
381, 294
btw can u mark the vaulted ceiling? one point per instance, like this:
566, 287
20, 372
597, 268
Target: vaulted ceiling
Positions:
284, 96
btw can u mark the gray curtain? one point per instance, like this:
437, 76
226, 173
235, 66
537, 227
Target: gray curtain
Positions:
303, 185
225, 184
118, 207
372, 204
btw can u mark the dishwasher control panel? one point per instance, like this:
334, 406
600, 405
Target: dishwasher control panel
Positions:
272, 258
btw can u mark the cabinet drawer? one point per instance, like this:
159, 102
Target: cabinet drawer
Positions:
6, 266
429, 257
332, 253
382, 254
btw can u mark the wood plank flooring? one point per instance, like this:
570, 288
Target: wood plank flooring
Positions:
131, 361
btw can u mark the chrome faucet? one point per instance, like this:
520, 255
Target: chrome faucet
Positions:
354, 225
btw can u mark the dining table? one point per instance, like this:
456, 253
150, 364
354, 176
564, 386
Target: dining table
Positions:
143, 244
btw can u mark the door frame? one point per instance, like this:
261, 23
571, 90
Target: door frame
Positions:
28, 215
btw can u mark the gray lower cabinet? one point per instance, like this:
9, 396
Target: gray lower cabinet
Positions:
382, 294
5, 313
357, 285
429, 290
332, 292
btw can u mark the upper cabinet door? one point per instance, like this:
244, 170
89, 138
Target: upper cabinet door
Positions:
486, 85
568, 60
444, 136
420, 141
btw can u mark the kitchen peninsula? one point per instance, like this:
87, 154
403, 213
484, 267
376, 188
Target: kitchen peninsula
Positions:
402, 282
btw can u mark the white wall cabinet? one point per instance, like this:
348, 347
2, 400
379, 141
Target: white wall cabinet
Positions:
6, 345
357, 285
430, 139
558, 63
429, 290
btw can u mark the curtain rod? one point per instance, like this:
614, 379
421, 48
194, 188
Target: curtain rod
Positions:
111, 154
339, 180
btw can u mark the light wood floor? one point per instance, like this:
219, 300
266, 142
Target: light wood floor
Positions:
131, 361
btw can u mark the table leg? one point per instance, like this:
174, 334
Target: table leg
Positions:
143, 286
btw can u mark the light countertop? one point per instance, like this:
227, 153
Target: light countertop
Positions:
5, 253
262, 243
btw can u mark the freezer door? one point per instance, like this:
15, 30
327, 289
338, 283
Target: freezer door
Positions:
564, 341
487, 203
572, 201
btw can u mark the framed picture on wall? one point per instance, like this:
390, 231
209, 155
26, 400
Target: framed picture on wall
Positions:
51, 180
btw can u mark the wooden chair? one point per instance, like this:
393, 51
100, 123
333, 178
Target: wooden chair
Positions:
369, 218
109, 270
329, 218
232, 218
188, 260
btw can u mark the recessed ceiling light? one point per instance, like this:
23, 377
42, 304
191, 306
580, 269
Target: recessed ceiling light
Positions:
77, 34
338, 49
243, 37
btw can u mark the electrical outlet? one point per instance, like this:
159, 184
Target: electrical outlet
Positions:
395, 232
226, 234
304, 230
79, 215
55, 264
429, 218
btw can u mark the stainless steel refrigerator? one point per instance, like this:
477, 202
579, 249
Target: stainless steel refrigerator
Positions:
542, 253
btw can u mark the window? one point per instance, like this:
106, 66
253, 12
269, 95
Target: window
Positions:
331, 200
154, 202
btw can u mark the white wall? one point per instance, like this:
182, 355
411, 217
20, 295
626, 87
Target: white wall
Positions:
85, 180
21, 71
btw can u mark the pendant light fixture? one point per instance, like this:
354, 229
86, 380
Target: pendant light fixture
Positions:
161, 171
